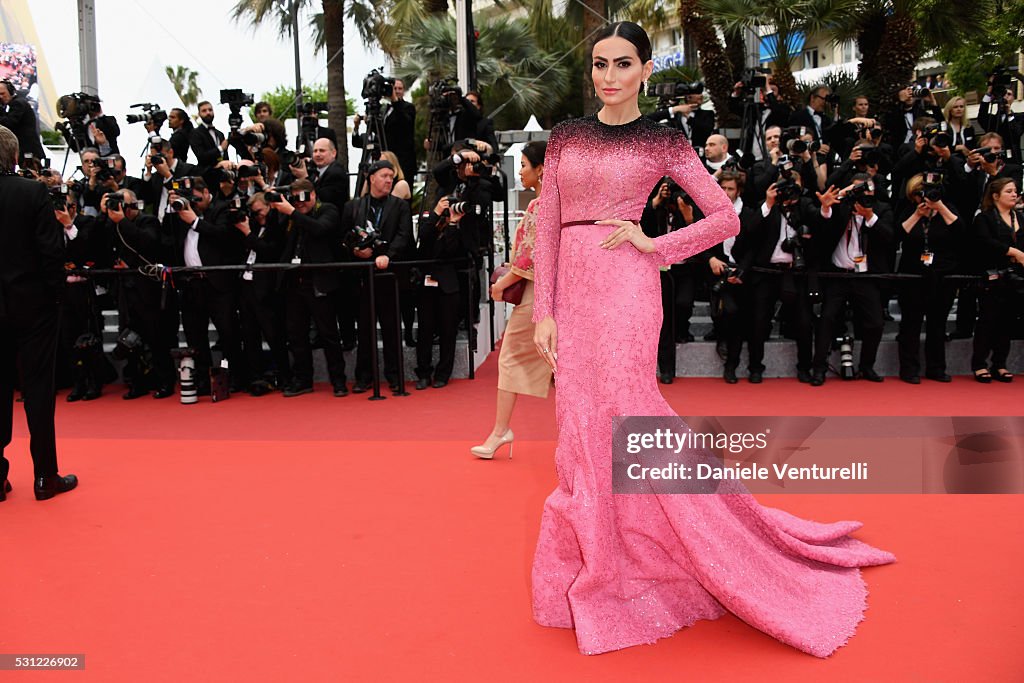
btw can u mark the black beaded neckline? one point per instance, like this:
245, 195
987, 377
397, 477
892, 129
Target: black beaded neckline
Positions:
616, 125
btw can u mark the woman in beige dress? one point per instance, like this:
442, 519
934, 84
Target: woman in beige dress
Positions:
520, 369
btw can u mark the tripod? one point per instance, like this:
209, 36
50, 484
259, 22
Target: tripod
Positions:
440, 137
752, 129
374, 142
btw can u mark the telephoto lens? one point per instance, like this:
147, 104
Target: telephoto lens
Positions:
186, 374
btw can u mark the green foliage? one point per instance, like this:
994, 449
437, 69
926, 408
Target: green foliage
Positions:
997, 42
282, 100
52, 138
848, 88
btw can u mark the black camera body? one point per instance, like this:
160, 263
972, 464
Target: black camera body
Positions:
723, 280
869, 156
59, 197
365, 237
862, 193
238, 210
754, 79
937, 134
445, 96
674, 91
787, 190
377, 86
108, 167
235, 99
153, 114
115, 201
1002, 80
933, 188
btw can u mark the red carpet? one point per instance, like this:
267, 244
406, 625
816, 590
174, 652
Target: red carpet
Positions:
323, 539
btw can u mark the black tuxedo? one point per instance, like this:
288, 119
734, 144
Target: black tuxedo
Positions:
311, 295
332, 185
731, 307
1009, 125
802, 117
31, 281
180, 141
895, 127
259, 300
21, 119
107, 124
156, 183
399, 134
207, 152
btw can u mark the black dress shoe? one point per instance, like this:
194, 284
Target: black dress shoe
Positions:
340, 390
664, 379
4, 490
422, 383
296, 388
77, 394
870, 375
348, 345
360, 388
48, 487
92, 393
440, 383
959, 334
938, 376
729, 375
164, 392
133, 393
756, 377
817, 378
410, 341
722, 349
911, 379
804, 376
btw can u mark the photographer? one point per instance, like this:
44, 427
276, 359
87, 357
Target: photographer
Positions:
855, 237
201, 236
766, 171
932, 236
399, 130
442, 238
930, 151
783, 245
378, 227
995, 115
696, 123
258, 297
17, 115
728, 265
148, 312
716, 156
816, 117
462, 117
182, 128
773, 113
109, 176
262, 111
485, 126
864, 158
1000, 241
81, 323
329, 179
162, 166
208, 144
912, 104
311, 231
102, 130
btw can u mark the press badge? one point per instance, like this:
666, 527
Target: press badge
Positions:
297, 261
860, 264
429, 282
927, 257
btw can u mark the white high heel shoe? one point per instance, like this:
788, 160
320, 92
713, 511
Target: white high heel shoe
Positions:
488, 453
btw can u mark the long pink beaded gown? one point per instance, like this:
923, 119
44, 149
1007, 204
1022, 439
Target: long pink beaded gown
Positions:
624, 570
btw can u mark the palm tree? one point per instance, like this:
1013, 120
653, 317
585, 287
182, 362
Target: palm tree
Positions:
784, 19
714, 61
184, 81
329, 32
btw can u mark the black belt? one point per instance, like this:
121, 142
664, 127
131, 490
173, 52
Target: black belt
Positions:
781, 266
593, 222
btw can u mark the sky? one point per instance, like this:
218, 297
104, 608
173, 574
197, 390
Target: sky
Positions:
135, 39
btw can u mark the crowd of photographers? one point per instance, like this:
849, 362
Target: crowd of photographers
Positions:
243, 197
829, 206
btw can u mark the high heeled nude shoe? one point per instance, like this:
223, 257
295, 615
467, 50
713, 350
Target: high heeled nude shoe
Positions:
488, 453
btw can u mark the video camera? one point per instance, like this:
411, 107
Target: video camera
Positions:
235, 99
445, 96
1001, 80
376, 86
153, 114
76, 108
754, 79
668, 92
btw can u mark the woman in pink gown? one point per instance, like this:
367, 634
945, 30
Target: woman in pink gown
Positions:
624, 570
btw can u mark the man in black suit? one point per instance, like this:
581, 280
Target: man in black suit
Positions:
158, 175
311, 234
899, 123
330, 180
208, 144
200, 236
181, 124
999, 117
102, 132
31, 281
399, 130
258, 296
696, 123
854, 237
391, 219
814, 117
441, 238
17, 115
113, 173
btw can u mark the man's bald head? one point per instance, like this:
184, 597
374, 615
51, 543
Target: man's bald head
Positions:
716, 148
324, 152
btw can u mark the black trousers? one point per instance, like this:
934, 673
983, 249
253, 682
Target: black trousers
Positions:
967, 308
992, 335
305, 305
864, 295
667, 337
929, 298
79, 315
732, 312
791, 289
259, 322
140, 301
686, 277
28, 339
347, 303
387, 318
201, 302
438, 312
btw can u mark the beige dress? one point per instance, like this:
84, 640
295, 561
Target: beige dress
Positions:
521, 369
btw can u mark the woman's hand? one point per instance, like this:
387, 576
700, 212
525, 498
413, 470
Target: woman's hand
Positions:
545, 336
496, 290
627, 231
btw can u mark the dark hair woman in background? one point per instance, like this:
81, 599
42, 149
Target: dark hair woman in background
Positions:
930, 236
999, 241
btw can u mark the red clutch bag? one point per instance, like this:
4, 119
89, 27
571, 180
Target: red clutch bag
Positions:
513, 294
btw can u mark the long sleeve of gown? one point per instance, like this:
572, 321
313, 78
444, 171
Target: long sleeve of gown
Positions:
549, 225
720, 221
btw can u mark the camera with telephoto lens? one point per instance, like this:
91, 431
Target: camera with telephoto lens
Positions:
937, 134
675, 91
791, 141
991, 157
251, 138
365, 236
249, 171
932, 188
845, 346
795, 245
861, 193
59, 197
115, 201
445, 96
873, 133
238, 210
153, 114
1001, 80
787, 190
183, 188
277, 194
920, 92
869, 156
457, 202
235, 99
